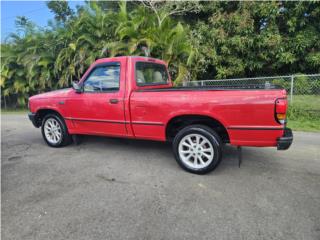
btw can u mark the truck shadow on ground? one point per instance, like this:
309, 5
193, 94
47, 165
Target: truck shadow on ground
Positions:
251, 157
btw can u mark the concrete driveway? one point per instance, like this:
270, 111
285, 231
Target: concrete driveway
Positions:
120, 189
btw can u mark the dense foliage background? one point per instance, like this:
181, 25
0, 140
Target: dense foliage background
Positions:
199, 40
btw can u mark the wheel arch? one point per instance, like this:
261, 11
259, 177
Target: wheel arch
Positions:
175, 124
41, 113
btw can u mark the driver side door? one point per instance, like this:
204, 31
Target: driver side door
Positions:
99, 109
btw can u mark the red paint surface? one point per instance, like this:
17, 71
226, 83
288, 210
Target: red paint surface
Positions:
248, 115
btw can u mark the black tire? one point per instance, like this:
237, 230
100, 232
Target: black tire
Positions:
65, 136
207, 133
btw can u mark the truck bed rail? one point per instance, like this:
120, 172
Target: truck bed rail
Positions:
216, 88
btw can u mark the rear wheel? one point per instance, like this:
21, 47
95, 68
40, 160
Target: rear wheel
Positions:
197, 149
54, 131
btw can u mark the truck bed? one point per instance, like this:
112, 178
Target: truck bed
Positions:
246, 113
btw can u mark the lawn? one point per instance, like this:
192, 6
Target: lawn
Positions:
304, 125
15, 111
304, 113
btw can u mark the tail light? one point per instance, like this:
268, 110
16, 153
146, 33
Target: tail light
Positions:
281, 110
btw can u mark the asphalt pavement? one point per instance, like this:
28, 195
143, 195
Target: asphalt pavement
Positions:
107, 188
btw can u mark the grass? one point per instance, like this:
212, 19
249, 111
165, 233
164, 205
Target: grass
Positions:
306, 102
303, 113
304, 125
14, 111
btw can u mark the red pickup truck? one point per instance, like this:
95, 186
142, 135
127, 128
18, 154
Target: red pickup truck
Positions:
133, 97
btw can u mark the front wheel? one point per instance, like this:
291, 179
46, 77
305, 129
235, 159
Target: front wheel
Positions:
54, 131
197, 149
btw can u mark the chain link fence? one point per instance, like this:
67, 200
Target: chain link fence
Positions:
294, 84
303, 91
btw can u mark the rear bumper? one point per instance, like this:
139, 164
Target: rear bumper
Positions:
285, 141
33, 118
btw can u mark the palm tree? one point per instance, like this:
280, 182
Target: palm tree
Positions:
168, 41
43, 59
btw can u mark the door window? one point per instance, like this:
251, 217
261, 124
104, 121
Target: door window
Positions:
103, 79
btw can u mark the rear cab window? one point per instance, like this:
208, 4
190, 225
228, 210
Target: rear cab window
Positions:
148, 74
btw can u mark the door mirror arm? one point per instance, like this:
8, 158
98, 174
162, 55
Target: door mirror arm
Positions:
78, 88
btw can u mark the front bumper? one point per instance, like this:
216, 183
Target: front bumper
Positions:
284, 142
34, 119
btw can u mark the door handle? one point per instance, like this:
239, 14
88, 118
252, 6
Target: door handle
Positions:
113, 101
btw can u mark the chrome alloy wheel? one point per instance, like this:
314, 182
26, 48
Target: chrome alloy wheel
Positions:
52, 131
196, 151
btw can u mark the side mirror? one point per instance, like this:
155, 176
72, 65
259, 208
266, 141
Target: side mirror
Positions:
76, 87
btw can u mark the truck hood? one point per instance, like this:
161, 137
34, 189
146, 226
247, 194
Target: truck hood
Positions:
53, 94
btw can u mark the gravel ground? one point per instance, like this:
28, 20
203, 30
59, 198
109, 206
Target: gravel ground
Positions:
124, 189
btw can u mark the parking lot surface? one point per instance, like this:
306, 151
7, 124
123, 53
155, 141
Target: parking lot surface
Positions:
108, 188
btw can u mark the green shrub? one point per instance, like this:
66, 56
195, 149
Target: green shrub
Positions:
302, 85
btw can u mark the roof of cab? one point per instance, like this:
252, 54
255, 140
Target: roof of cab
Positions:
102, 60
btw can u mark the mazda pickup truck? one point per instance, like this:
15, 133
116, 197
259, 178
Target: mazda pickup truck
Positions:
133, 97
